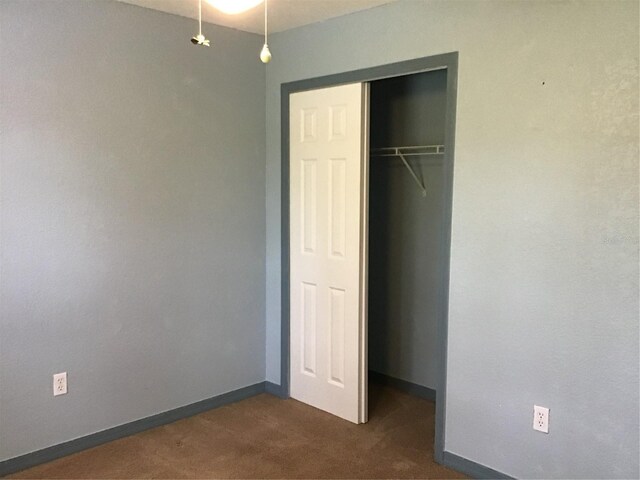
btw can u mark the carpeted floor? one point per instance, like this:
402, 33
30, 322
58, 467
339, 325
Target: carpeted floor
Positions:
265, 437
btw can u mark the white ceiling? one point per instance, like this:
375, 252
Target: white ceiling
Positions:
283, 14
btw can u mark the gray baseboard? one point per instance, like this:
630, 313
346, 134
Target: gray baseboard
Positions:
67, 448
405, 386
54, 452
473, 469
274, 389
448, 459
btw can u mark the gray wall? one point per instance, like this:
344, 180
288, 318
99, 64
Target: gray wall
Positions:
544, 275
132, 217
405, 228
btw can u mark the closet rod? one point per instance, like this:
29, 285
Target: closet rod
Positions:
409, 151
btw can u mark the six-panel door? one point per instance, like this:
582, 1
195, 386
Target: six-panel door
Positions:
326, 249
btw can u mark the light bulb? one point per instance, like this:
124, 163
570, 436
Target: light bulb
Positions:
265, 54
233, 7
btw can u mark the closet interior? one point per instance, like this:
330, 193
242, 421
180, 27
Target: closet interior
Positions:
406, 223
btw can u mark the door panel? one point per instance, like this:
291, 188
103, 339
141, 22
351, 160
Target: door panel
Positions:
327, 249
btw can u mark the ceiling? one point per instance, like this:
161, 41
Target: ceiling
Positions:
283, 14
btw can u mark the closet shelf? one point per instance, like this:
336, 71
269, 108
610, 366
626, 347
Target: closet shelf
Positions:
412, 151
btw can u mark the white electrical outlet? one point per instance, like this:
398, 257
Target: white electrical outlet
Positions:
59, 384
541, 419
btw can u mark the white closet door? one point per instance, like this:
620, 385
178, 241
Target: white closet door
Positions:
327, 182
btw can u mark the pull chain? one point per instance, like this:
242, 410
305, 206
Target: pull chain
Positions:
265, 54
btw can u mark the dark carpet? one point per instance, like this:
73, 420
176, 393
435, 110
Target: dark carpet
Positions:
266, 437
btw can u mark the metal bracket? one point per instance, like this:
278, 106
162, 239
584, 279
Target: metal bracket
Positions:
413, 174
410, 151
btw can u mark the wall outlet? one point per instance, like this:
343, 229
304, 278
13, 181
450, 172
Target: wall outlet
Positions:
541, 419
59, 384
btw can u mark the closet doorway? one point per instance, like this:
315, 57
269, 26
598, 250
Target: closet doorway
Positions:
406, 223
367, 170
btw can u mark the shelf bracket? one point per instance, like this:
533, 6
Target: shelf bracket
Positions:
410, 151
413, 174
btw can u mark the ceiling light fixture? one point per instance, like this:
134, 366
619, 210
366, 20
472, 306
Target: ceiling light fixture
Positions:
233, 7
265, 54
200, 39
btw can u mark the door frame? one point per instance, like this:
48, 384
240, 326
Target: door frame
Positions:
448, 61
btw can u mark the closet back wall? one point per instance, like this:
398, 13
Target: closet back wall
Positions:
127, 154
405, 228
